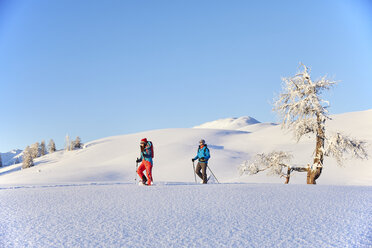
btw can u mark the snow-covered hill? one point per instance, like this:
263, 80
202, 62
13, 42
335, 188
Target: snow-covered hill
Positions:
87, 197
112, 159
230, 123
9, 158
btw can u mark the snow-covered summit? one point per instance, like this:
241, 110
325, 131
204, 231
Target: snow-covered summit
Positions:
230, 123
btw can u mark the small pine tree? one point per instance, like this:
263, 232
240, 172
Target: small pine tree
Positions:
34, 150
77, 143
27, 158
51, 146
42, 148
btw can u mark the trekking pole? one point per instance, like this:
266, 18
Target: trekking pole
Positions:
135, 177
193, 165
213, 174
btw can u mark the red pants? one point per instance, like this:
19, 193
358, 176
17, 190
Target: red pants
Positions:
145, 165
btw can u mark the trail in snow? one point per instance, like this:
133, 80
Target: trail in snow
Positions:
184, 215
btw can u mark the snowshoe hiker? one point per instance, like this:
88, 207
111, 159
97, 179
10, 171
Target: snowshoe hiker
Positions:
203, 156
147, 154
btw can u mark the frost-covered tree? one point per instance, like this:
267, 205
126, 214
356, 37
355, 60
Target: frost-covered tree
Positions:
51, 146
35, 150
303, 111
42, 148
276, 163
77, 143
27, 158
67, 143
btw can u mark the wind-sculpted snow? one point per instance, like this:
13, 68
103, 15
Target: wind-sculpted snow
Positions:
185, 215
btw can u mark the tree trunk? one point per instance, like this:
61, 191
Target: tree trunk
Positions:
314, 172
288, 176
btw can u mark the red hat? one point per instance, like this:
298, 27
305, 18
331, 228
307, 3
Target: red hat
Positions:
144, 140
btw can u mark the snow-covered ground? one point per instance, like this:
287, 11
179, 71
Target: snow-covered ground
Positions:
184, 215
87, 197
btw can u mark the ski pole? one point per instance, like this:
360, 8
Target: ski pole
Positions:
135, 177
213, 174
193, 165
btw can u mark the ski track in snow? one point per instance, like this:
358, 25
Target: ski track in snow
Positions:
185, 215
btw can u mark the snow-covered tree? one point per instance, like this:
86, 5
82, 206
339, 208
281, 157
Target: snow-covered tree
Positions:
27, 158
51, 146
35, 150
76, 144
67, 143
303, 111
42, 148
276, 163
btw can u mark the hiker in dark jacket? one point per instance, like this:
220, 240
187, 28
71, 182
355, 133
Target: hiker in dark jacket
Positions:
203, 156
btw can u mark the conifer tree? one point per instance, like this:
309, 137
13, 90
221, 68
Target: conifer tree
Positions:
35, 150
42, 148
27, 158
67, 143
51, 146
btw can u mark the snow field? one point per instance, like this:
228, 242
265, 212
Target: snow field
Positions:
185, 215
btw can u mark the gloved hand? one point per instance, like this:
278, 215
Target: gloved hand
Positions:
193, 159
138, 160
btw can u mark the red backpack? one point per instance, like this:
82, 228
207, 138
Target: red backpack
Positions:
152, 148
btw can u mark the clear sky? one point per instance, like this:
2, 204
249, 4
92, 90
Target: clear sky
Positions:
100, 68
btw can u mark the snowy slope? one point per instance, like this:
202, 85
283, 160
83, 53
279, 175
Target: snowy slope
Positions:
182, 215
112, 159
87, 198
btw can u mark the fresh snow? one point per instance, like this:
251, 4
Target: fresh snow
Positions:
185, 215
88, 197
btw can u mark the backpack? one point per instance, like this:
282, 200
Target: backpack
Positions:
152, 148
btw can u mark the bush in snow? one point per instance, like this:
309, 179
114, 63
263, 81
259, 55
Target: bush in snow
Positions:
51, 146
303, 111
27, 158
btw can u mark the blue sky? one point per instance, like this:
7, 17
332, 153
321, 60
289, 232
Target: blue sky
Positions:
100, 68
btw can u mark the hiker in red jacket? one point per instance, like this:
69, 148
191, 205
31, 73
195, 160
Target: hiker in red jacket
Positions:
147, 153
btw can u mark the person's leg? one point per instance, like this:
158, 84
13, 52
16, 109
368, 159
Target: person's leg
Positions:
204, 172
140, 170
148, 172
197, 170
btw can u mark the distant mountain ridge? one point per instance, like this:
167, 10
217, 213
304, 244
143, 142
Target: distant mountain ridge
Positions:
11, 157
